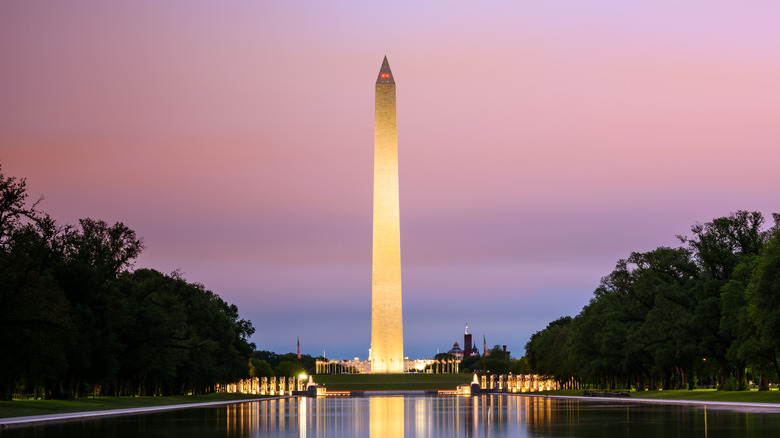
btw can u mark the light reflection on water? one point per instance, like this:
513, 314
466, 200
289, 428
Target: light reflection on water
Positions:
493, 416
419, 416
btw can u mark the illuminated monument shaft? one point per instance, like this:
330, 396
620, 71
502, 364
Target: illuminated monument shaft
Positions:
387, 339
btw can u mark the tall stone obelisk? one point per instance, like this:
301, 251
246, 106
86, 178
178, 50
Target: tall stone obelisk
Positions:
387, 335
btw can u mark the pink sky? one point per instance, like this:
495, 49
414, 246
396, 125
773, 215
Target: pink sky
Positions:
539, 142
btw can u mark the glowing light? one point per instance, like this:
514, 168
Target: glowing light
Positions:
302, 376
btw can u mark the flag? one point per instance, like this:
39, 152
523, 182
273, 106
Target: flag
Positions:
486, 353
299, 348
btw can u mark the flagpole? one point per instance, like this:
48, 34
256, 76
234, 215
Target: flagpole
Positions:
484, 354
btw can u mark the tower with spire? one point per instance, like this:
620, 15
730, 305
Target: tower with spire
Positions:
467, 349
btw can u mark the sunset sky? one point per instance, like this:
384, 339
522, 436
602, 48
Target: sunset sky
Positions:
539, 142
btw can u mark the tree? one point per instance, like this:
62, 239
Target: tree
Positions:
154, 334
306, 361
498, 351
33, 313
661, 314
94, 254
107, 250
719, 247
763, 296
495, 365
665, 278
268, 356
287, 368
548, 350
471, 364
259, 368
521, 366
598, 339
74, 317
14, 211
34, 318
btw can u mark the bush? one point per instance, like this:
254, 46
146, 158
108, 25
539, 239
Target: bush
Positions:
730, 384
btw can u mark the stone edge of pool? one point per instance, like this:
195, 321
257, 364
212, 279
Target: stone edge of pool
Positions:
729, 404
87, 415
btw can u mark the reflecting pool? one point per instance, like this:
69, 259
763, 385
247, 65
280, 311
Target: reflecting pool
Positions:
420, 416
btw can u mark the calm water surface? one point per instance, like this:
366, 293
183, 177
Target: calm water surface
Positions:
418, 416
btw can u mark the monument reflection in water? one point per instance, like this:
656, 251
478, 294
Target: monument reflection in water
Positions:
419, 416
491, 416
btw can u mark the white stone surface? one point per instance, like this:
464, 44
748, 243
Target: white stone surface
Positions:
386, 304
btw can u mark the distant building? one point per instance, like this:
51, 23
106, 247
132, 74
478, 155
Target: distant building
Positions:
470, 347
456, 351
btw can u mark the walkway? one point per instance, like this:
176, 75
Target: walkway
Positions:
756, 407
70, 416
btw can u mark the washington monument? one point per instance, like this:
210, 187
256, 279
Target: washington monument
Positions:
387, 333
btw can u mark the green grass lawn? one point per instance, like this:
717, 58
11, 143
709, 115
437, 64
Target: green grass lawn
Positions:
23, 408
360, 382
697, 395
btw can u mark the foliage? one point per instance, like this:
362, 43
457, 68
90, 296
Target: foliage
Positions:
497, 365
77, 319
658, 317
259, 368
498, 352
763, 301
521, 366
307, 362
549, 361
267, 356
288, 368
497, 362
471, 364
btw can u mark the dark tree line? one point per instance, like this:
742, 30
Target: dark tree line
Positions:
76, 320
266, 363
497, 361
704, 313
